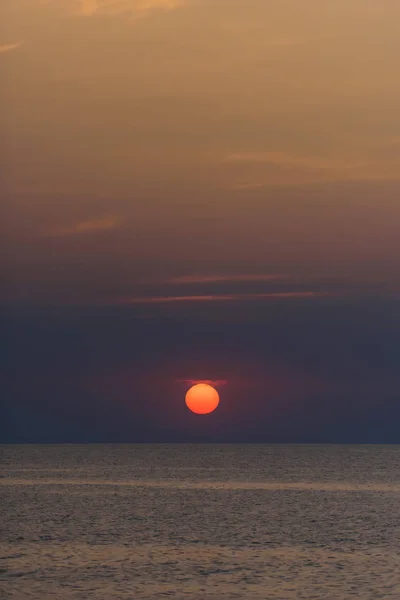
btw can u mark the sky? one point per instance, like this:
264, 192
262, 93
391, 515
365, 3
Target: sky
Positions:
200, 190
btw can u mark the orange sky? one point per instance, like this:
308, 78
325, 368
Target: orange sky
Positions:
154, 139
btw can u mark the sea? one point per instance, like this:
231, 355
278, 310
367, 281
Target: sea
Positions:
199, 522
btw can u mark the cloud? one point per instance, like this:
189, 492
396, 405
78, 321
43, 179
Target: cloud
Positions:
89, 8
213, 382
217, 298
196, 279
284, 159
9, 47
249, 185
260, 169
89, 226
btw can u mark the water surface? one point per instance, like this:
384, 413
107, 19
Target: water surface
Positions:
205, 522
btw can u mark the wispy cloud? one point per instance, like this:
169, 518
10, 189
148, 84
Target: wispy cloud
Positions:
89, 8
249, 185
9, 47
89, 226
260, 169
213, 382
241, 278
284, 159
216, 298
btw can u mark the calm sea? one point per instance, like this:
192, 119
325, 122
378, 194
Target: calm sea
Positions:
205, 522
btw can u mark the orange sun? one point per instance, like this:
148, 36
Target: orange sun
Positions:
202, 398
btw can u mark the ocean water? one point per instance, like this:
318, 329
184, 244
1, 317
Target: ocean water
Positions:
205, 522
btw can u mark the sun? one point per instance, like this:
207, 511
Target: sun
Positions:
202, 399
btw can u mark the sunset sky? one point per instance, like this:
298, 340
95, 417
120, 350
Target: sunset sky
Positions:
200, 190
